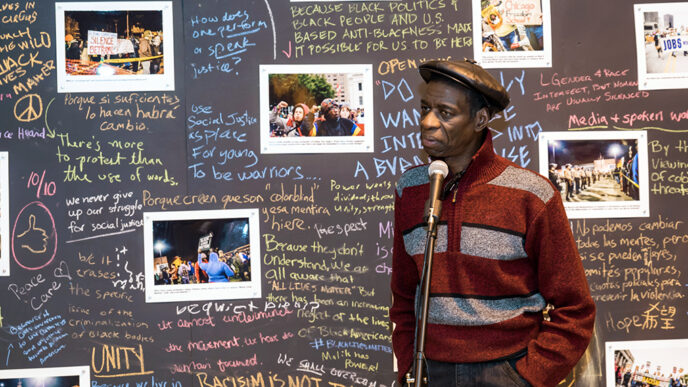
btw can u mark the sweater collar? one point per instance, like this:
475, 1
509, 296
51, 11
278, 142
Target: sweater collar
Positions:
484, 166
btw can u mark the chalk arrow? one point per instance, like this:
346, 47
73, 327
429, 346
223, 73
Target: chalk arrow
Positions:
51, 133
288, 54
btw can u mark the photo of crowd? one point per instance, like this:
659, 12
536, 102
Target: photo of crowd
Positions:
514, 25
666, 41
316, 108
113, 46
599, 174
4, 215
113, 42
661, 33
201, 255
41, 381
647, 365
46, 377
308, 105
594, 170
201, 251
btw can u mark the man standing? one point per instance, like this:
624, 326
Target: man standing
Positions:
577, 179
568, 177
332, 124
183, 272
553, 176
632, 167
217, 270
504, 251
145, 51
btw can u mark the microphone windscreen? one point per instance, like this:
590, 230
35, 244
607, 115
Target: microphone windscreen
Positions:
438, 166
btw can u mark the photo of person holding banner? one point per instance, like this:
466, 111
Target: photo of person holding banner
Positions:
113, 43
514, 25
665, 41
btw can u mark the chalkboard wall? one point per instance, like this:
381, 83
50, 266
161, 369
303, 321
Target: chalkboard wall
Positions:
103, 162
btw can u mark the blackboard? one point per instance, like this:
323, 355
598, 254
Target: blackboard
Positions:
109, 174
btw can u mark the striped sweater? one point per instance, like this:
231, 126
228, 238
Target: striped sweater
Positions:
504, 251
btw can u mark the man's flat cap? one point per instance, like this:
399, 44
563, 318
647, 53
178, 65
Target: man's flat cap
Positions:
468, 74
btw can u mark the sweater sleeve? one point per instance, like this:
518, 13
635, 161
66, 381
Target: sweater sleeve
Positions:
561, 279
404, 281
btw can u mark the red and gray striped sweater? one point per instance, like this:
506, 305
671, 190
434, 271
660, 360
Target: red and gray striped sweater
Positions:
504, 251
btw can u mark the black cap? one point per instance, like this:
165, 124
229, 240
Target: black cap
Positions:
468, 74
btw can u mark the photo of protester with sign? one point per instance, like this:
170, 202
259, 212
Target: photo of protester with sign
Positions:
113, 43
512, 33
311, 109
511, 25
46, 377
4, 215
225, 253
662, 45
104, 43
201, 254
58, 381
596, 171
662, 363
665, 41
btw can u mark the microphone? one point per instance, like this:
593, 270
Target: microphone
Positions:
437, 170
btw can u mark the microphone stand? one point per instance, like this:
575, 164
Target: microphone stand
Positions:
416, 376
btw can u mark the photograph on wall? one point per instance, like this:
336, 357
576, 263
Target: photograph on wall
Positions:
324, 1
48, 377
4, 214
316, 109
598, 174
661, 34
202, 255
513, 33
646, 363
114, 46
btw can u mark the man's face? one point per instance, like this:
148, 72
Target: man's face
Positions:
447, 128
333, 113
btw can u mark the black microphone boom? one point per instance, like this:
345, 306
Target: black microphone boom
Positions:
437, 170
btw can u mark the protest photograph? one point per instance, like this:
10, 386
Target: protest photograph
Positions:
647, 363
662, 45
512, 33
46, 377
126, 46
597, 172
316, 109
4, 215
198, 255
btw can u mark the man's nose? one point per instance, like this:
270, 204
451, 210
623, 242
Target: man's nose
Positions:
430, 121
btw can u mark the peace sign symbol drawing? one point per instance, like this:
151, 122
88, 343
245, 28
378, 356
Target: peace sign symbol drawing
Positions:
28, 108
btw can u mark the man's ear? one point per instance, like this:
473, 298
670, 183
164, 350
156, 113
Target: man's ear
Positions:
482, 118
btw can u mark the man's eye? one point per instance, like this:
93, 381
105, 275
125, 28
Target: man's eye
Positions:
446, 114
424, 109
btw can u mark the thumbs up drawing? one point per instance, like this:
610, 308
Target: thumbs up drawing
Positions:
34, 237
